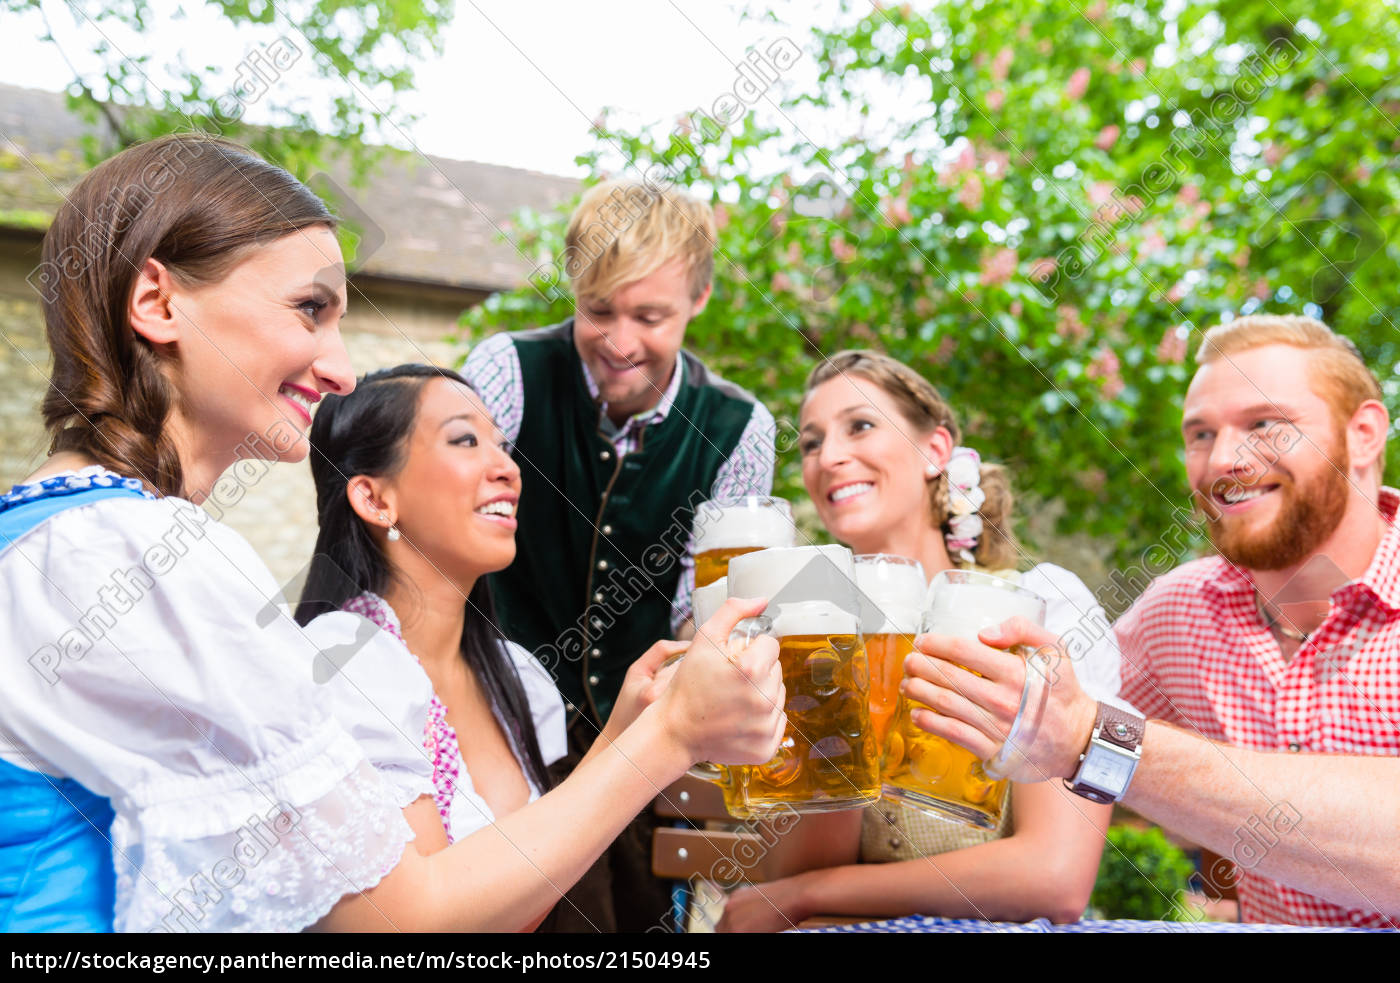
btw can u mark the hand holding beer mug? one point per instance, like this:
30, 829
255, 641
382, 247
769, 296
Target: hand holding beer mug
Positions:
727, 707
646, 679
730, 527
705, 602
924, 770
828, 759
1029, 717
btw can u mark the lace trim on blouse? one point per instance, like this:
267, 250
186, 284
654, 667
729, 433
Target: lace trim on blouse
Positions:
282, 871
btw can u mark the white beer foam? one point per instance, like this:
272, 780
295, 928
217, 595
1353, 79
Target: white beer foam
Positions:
727, 527
811, 618
891, 597
965, 609
705, 601
797, 573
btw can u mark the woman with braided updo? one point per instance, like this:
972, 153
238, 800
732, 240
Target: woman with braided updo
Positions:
883, 461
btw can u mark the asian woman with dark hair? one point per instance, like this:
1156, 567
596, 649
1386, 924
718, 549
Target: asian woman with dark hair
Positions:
416, 497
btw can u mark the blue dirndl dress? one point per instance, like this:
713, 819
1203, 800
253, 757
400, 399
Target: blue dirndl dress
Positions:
56, 870
167, 761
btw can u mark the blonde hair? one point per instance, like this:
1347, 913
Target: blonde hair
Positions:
1339, 374
925, 408
624, 230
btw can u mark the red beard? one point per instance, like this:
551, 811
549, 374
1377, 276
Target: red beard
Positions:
1308, 515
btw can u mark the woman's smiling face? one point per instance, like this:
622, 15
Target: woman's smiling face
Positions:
456, 496
863, 463
257, 349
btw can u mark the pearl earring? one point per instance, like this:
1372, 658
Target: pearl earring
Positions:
393, 533
931, 471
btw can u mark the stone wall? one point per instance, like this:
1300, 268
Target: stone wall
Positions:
277, 513
24, 362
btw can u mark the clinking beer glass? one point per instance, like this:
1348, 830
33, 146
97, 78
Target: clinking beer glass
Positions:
925, 771
828, 759
892, 591
730, 527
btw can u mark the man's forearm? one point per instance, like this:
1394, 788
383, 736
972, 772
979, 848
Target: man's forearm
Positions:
1325, 824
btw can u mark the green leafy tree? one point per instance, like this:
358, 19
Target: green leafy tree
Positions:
142, 87
1041, 207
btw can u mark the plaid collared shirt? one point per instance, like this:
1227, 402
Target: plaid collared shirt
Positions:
626, 437
1197, 654
493, 369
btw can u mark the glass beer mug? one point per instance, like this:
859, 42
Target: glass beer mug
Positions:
925, 771
828, 759
892, 590
730, 527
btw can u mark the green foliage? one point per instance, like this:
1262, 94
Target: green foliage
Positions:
24, 219
142, 89
1041, 206
1141, 876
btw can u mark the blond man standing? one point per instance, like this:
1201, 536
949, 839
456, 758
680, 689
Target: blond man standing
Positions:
619, 434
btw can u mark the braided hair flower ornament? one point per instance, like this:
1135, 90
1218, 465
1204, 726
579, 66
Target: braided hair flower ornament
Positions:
965, 497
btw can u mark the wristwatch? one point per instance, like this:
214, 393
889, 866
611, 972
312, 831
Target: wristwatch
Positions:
1107, 764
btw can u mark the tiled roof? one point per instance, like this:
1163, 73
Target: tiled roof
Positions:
441, 219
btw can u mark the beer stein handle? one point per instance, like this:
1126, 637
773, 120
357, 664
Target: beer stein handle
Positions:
745, 632
1026, 723
706, 771
741, 638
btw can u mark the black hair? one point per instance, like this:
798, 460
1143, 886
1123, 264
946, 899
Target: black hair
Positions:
367, 433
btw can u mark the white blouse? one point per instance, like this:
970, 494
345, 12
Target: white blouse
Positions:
395, 748
145, 657
1074, 615
469, 810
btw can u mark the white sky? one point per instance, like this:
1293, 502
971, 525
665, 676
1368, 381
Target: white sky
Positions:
519, 82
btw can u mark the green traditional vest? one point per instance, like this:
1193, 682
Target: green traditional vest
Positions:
600, 539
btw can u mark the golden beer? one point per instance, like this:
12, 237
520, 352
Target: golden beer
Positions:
828, 759
729, 527
886, 654
923, 767
712, 565
925, 771
732, 785
892, 590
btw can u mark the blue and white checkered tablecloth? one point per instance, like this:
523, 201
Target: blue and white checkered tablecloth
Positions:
926, 924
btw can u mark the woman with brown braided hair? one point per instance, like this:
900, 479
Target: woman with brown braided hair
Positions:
883, 462
167, 761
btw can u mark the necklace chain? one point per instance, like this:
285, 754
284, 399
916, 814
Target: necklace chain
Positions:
1271, 621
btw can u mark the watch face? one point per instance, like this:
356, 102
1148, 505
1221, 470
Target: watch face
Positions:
1105, 769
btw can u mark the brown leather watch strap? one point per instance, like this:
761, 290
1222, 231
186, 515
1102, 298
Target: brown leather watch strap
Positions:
1112, 726
1119, 727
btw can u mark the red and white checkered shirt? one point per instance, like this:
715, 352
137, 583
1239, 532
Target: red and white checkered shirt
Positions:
1197, 654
